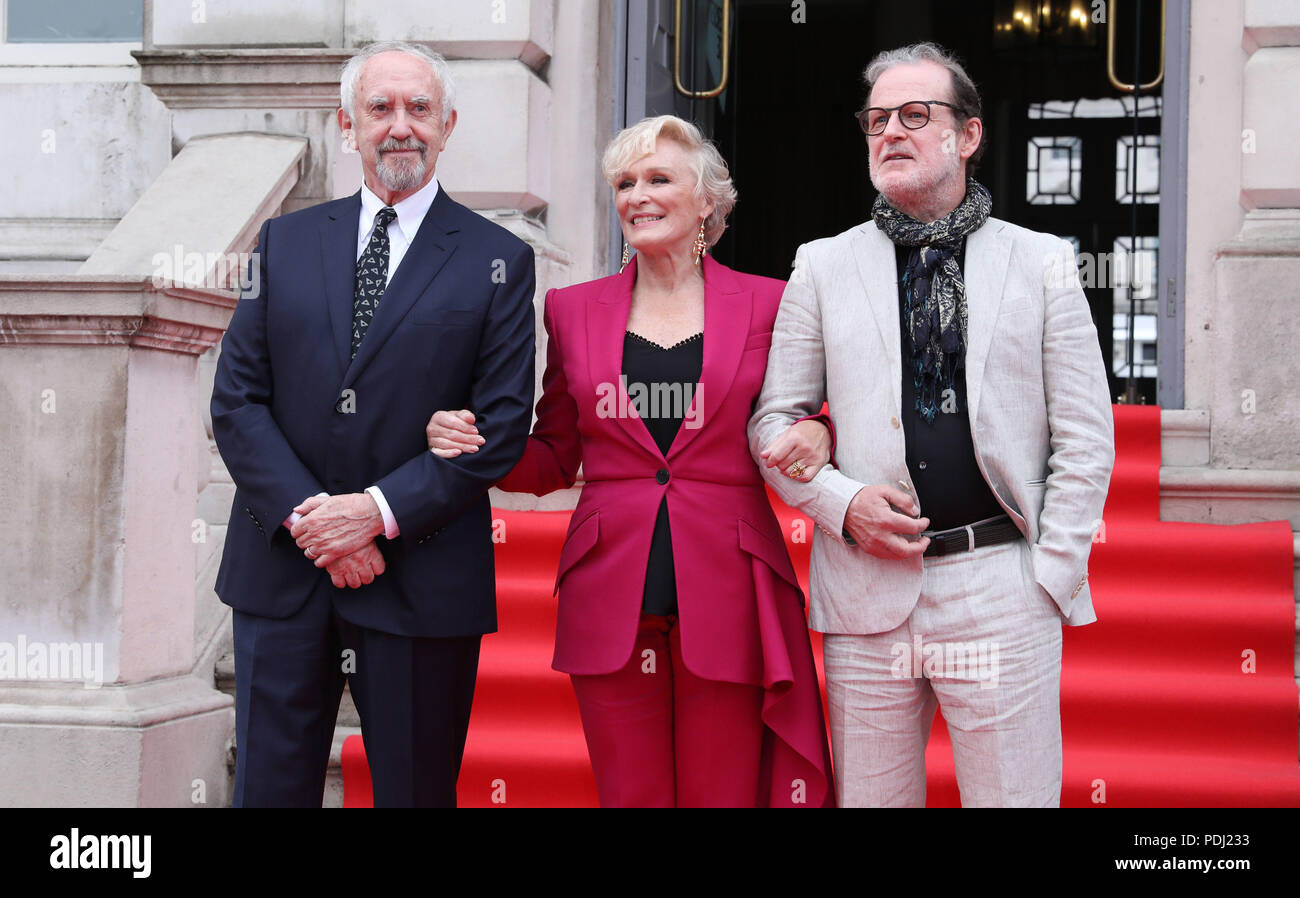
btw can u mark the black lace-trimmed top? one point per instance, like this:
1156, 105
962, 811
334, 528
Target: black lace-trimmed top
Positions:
661, 383
647, 342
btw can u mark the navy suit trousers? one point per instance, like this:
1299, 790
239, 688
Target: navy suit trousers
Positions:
413, 695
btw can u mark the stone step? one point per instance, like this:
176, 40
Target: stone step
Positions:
334, 772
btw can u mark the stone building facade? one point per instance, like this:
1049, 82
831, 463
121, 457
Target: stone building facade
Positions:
136, 177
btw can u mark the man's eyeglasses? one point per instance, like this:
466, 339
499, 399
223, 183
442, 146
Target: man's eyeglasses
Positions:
914, 116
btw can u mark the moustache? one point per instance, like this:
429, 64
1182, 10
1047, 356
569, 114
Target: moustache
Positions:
410, 143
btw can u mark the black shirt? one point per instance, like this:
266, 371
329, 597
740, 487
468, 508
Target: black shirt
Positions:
661, 383
940, 455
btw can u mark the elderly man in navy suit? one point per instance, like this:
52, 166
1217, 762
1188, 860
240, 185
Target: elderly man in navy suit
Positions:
352, 552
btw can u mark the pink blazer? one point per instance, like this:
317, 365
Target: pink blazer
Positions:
723, 529
740, 608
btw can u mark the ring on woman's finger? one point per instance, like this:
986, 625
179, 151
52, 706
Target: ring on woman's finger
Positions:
797, 469
311, 556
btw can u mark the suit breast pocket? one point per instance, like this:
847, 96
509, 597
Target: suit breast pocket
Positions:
1015, 305
1015, 352
440, 316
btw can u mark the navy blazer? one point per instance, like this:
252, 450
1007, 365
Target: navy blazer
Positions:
294, 416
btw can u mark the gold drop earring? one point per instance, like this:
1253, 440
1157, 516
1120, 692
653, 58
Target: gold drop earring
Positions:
626, 256
700, 245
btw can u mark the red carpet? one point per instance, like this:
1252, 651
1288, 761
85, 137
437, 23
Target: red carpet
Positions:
1157, 708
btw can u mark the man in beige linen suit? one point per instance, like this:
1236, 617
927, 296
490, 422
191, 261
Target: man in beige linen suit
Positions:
969, 397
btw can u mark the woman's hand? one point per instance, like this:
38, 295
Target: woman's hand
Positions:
451, 433
800, 452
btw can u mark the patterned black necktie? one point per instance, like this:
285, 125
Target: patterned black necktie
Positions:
372, 277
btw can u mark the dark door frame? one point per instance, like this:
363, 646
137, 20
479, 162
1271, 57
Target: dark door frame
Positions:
1172, 254
633, 20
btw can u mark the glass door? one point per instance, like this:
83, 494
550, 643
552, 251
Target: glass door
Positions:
775, 85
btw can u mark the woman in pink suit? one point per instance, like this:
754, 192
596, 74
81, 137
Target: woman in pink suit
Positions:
680, 618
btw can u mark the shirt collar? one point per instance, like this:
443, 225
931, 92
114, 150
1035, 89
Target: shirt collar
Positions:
410, 211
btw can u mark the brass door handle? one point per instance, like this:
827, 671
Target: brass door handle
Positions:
726, 53
1110, 54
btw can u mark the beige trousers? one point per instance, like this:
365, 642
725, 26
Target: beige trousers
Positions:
984, 644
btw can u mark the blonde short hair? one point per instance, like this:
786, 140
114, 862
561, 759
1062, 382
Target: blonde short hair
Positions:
712, 179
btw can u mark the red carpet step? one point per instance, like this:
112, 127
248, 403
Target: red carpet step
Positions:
1181, 695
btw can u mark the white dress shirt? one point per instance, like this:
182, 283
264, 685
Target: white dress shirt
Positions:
401, 231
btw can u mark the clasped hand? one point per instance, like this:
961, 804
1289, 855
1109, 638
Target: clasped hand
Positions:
800, 451
338, 533
451, 433
881, 518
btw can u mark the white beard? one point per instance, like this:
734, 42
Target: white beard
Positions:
402, 177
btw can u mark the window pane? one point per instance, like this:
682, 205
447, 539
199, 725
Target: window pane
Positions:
60, 21
1137, 178
1138, 270
1053, 171
1144, 346
1109, 107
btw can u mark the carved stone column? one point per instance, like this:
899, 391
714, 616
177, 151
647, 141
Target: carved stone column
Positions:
98, 704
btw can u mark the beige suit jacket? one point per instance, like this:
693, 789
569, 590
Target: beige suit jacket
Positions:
1039, 406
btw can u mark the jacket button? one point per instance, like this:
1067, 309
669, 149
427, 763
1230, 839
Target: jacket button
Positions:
894, 422
662, 475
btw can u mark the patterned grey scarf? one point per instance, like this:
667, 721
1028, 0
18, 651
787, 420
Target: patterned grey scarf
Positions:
934, 308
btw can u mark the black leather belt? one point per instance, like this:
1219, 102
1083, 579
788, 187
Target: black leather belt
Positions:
973, 536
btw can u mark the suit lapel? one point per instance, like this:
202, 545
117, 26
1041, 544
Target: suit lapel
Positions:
988, 252
878, 270
432, 246
606, 326
727, 309
338, 244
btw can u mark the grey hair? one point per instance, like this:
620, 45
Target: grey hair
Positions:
350, 76
712, 179
965, 96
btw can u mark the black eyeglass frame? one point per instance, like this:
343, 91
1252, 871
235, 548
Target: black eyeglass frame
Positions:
864, 114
